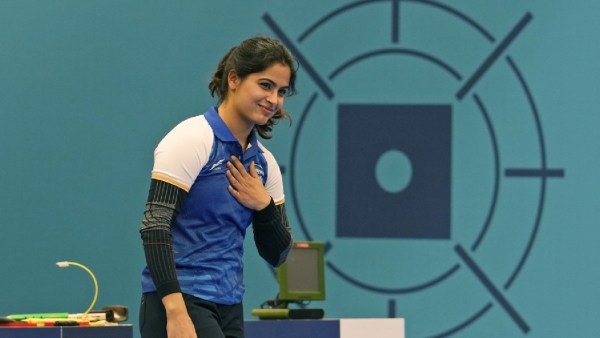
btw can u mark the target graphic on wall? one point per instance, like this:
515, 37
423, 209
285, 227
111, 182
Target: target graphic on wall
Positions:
420, 149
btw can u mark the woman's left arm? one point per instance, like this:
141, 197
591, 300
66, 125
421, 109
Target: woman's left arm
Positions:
272, 232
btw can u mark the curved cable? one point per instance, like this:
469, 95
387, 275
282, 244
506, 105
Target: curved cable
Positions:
66, 264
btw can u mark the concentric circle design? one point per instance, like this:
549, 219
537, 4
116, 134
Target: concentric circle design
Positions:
466, 80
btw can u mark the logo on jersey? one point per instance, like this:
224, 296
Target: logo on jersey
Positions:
216, 165
259, 170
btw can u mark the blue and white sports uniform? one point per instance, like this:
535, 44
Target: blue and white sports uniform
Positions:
209, 232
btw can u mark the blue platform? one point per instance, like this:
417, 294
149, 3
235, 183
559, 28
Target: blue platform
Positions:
326, 328
120, 331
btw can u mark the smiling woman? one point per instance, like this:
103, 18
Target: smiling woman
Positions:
254, 100
253, 57
211, 179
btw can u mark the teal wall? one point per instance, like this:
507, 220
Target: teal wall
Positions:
88, 88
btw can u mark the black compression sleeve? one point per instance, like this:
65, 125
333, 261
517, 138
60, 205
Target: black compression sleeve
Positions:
163, 205
272, 233
158, 249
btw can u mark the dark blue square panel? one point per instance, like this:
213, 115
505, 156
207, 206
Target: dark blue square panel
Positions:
393, 171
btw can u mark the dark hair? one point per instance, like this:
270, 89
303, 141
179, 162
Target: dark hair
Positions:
253, 56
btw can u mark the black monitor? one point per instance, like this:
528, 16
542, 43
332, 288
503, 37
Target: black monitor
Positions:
302, 277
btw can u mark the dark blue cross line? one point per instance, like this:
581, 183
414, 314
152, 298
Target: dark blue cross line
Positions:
492, 58
328, 246
514, 172
301, 59
391, 308
396, 21
491, 288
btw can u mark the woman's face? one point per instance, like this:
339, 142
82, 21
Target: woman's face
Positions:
258, 96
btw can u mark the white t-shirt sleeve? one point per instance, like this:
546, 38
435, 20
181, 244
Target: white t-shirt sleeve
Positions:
183, 152
274, 184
